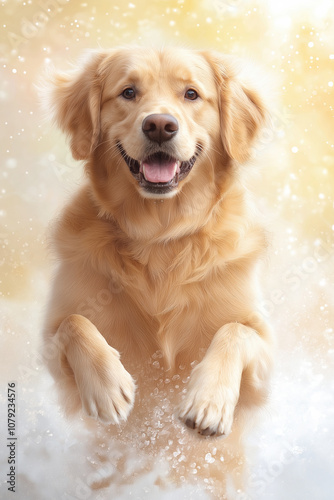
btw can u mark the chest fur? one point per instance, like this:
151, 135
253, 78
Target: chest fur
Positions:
194, 274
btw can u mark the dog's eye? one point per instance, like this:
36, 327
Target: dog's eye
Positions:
191, 95
129, 93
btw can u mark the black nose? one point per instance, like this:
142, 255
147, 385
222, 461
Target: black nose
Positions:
160, 128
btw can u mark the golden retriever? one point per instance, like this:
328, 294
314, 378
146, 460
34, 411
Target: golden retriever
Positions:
159, 249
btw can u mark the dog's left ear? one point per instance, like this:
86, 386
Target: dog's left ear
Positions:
242, 111
74, 99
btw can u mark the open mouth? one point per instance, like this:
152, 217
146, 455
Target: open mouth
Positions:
159, 173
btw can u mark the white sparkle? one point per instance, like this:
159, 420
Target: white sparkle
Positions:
11, 163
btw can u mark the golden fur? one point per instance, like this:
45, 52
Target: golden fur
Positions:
139, 272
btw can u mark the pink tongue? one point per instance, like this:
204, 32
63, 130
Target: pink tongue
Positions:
159, 171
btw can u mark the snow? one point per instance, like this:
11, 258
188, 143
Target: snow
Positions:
290, 453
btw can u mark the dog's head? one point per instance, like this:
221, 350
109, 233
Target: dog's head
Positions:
156, 117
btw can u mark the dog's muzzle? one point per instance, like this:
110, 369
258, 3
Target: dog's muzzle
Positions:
159, 173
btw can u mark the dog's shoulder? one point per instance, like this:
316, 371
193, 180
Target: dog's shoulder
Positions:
79, 227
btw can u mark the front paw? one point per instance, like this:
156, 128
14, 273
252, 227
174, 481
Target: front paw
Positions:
108, 391
208, 405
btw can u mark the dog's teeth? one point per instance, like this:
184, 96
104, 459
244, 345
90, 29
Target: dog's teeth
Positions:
142, 169
177, 167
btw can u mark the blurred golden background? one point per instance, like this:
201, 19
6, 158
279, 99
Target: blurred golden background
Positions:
293, 41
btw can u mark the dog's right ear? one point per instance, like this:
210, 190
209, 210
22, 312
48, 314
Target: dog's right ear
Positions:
75, 100
242, 109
